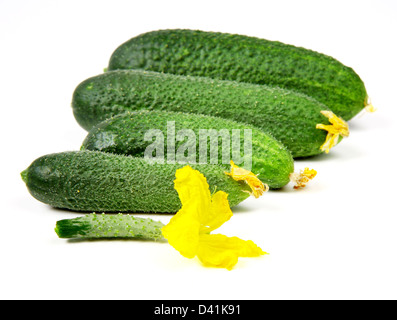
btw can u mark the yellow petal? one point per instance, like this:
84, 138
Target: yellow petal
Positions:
302, 178
182, 232
337, 128
218, 214
191, 185
217, 250
241, 174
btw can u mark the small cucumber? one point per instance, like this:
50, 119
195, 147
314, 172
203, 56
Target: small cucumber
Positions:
245, 59
289, 117
101, 182
125, 134
101, 226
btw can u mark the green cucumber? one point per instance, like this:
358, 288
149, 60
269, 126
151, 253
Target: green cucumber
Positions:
101, 182
246, 59
125, 134
101, 226
289, 117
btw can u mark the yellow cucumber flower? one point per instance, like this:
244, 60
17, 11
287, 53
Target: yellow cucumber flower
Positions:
241, 174
189, 230
338, 127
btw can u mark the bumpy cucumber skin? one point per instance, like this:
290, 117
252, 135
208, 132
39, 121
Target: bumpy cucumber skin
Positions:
93, 181
124, 134
289, 117
246, 59
101, 226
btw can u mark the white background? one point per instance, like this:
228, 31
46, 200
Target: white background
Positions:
334, 240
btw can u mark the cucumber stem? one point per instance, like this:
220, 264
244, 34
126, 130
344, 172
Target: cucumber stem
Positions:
24, 175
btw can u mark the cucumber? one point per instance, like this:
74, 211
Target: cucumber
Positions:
101, 226
101, 182
124, 134
246, 59
289, 117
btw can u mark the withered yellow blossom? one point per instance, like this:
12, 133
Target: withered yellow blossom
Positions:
302, 178
338, 127
241, 174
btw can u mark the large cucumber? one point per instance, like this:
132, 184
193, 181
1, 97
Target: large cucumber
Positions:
247, 59
289, 117
102, 182
198, 135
